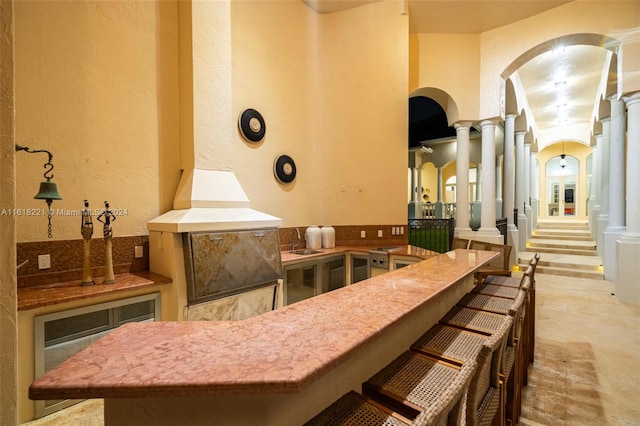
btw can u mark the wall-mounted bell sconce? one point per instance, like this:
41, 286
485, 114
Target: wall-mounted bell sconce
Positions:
48, 189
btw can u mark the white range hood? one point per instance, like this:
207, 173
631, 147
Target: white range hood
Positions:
209, 197
211, 200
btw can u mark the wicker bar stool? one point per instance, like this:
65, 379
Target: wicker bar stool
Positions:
498, 266
457, 345
473, 316
510, 292
531, 309
479, 245
513, 281
353, 409
459, 243
423, 389
450, 344
483, 302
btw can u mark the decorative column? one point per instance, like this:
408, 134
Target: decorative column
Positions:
462, 179
519, 197
488, 228
508, 205
603, 217
479, 181
412, 208
498, 175
615, 227
628, 246
527, 187
420, 208
533, 191
438, 205
476, 206
594, 202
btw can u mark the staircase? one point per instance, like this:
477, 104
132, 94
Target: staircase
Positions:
566, 248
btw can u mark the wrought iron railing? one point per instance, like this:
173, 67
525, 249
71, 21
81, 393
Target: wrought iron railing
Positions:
431, 234
501, 224
437, 234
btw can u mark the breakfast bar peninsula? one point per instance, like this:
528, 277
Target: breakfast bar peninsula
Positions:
278, 368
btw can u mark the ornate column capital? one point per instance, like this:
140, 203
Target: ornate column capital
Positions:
489, 122
631, 99
462, 124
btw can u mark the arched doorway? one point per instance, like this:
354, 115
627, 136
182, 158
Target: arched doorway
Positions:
562, 187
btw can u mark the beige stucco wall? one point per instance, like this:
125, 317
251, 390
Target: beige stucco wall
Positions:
96, 84
344, 126
102, 93
8, 316
362, 135
451, 62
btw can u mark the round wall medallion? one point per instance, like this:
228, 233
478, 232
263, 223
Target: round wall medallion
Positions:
285, 169
252, 126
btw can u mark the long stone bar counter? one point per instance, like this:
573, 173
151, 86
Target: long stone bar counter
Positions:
279, 368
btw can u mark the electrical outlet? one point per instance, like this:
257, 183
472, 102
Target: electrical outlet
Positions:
138, 252
379, 233
363, 234
44, 261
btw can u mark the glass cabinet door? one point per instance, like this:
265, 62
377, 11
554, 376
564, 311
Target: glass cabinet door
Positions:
311, 278
332, 275
300, 283
359, 268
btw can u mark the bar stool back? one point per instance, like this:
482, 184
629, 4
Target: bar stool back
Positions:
459, 346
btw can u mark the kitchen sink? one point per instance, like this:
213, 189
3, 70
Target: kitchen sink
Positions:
305, 252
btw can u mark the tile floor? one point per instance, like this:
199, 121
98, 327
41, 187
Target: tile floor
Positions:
587, 362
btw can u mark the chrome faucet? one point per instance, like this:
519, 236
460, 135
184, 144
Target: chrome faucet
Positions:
293, 240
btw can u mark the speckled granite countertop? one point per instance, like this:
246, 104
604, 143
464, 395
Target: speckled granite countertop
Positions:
404, 250
51, 294
277, 352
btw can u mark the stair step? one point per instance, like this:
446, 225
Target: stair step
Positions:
570, 272
566, 248
575, 232
562, 225
561, 265
562, 237
591, 252
580, 245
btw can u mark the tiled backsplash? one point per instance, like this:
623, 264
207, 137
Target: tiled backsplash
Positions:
67, 259
67, 255
351, 236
